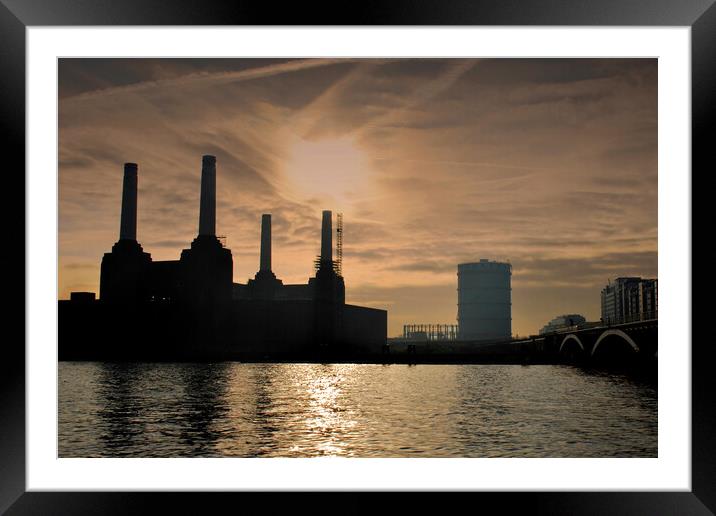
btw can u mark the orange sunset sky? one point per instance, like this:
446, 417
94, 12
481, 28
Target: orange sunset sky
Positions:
548, 163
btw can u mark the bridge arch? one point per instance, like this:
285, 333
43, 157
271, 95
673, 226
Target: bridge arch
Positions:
571, 337
618, 333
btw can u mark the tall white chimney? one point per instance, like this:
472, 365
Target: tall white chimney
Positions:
327, 237
207, 207
265, 264
128, 223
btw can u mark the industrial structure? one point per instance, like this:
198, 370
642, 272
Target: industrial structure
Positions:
192, 308
430, 331
484, 300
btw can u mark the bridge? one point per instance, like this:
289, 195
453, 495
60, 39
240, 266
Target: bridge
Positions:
625, 343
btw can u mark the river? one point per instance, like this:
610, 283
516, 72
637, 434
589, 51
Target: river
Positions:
355, 410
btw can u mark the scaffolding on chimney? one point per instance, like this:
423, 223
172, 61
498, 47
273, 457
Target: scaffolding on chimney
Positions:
339, 244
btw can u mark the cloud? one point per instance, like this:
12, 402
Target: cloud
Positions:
81, 266
551, 164
203, 78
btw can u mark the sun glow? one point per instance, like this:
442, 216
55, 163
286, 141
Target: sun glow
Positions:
333, 171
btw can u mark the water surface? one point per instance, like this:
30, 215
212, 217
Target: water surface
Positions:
307, 410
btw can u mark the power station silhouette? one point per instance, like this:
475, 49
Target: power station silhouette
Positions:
190, 308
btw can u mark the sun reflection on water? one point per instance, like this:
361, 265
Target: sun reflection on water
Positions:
313, 410
329, 419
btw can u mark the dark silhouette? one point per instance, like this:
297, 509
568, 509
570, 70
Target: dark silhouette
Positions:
191, 309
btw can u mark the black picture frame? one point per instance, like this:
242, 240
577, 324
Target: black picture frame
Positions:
17, 15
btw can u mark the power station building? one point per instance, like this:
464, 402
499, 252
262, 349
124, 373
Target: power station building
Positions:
484, 300
191, 308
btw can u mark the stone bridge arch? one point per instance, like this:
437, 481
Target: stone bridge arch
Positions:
618, 333
571, 337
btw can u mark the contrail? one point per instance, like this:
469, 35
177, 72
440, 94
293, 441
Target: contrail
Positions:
313, 113
466, 163
213, 78
423, 94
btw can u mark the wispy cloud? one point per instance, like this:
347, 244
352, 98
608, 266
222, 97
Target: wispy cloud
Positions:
203, 78
548, 163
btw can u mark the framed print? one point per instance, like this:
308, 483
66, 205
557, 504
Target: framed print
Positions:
417, 249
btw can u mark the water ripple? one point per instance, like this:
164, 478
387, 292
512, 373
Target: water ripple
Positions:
308, 410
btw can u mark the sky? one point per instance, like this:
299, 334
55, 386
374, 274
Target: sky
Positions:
550, 164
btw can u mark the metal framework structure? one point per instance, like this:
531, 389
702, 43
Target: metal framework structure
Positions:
339, 244
430, 331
